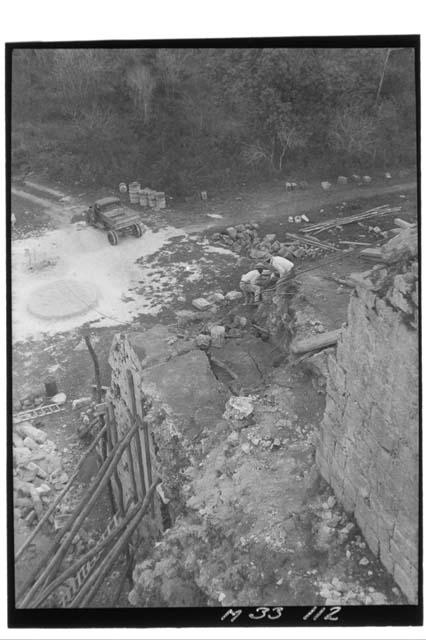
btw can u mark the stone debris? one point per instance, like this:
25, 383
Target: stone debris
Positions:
203, 341
30, 399
26, 429
232, 296
350, 592
59, 398
245, 240
185, 316
238, 408
218, 297
326, 185
37, 470
342, 180
233, 438
366, 179
201, 304
79, 403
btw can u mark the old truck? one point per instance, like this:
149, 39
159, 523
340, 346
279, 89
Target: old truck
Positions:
109, 214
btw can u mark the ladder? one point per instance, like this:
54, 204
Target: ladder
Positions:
39, 412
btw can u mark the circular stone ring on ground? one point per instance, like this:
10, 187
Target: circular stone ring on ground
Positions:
62, 299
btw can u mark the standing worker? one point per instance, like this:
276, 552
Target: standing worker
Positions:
281, 267
248, 283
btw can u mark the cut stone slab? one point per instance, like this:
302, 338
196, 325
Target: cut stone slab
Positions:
373, 255
62, 299
152, 346
201, 304
185, 385
157, 345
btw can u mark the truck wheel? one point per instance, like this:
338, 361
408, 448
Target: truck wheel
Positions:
112, 238
137, 230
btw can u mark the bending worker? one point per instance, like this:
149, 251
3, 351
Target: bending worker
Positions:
248, 283
281, 267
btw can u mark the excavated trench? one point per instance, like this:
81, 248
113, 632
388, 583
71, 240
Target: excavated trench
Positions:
237, 435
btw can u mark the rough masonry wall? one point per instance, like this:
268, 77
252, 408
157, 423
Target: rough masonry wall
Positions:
369, 441
176, 397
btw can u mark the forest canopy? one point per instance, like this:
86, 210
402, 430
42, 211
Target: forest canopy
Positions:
185, 118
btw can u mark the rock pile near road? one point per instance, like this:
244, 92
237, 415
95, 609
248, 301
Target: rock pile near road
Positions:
245, 239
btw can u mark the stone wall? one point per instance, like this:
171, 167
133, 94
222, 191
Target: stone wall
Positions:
176, 397
369, 438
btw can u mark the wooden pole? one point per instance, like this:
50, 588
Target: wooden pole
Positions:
59, 498
95, 366
73, 525
114, 439
93, 583
316, 243
87, 556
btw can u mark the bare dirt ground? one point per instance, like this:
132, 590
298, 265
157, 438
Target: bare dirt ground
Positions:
142, 282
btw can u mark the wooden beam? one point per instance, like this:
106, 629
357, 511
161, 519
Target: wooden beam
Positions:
404, 224
314, 343
373, 255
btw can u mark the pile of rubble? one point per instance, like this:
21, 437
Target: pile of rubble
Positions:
37, 472
31, 398
245, 239
396, 277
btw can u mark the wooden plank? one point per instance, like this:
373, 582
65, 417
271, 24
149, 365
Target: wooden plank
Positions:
114, 440
101, 409
338, 222
403, 223
373, 255
313, 343
361, 244
345, 283
316, 243
136, 418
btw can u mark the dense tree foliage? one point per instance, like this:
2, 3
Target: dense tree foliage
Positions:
181, 119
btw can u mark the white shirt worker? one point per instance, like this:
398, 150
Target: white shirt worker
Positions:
281, 265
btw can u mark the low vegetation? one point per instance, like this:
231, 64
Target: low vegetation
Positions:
186, 119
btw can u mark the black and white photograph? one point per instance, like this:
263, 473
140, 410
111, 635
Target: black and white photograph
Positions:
214, 351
